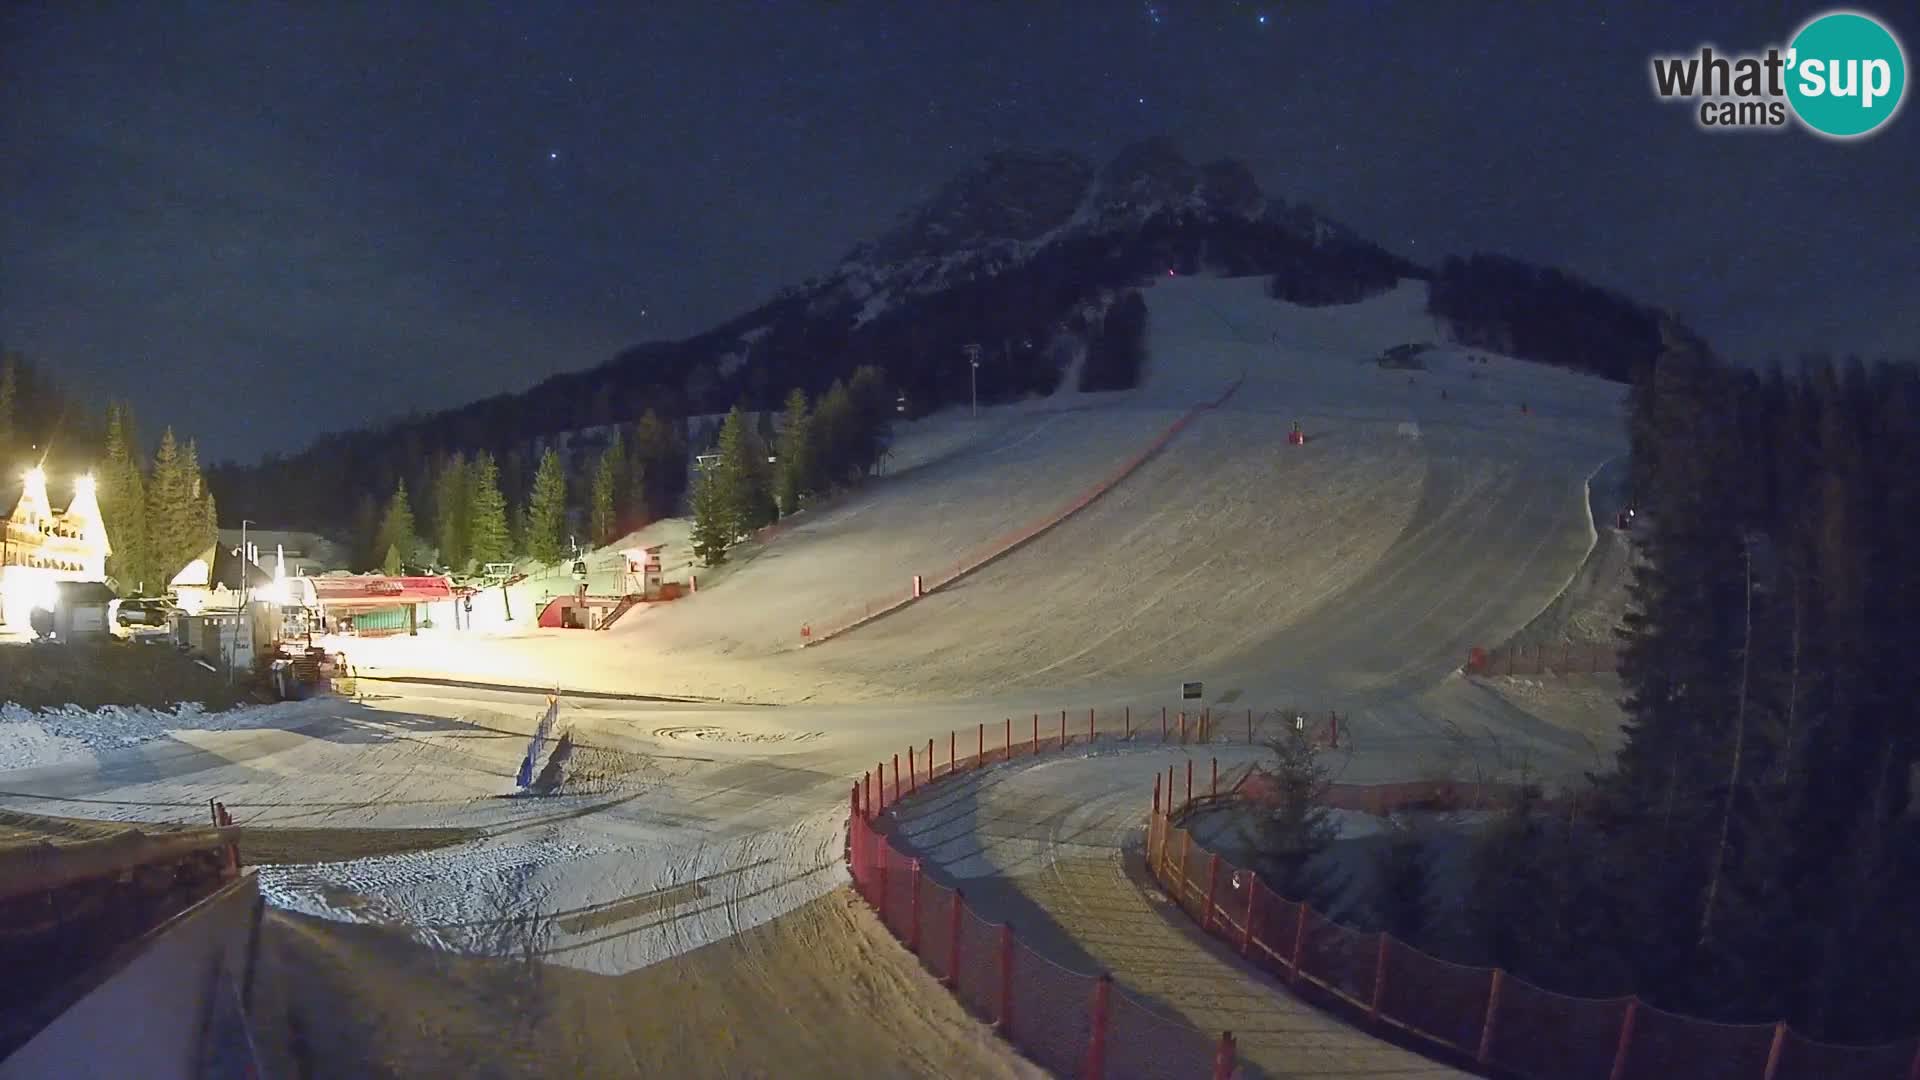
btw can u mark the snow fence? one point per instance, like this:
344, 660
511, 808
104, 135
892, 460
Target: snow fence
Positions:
815, 632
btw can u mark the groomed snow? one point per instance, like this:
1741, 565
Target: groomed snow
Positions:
1354, 571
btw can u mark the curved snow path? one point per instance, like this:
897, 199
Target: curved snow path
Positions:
1055, 848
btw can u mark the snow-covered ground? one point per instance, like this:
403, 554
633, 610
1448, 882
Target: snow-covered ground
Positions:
31, 737
1427, 513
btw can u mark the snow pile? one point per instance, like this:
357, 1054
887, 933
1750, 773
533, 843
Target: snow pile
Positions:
29, 737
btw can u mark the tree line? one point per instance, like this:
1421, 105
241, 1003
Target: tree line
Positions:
1544, 315
1753, 853
468, 510
820, 446
1028, 316
159, 514
158, 509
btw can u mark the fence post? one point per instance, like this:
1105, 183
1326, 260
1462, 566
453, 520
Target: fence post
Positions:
1215, 789
1005, 1024
1036, 733
1299, 943
1129, 722
1189, 779
913, 934
1253, 910
1063, 729
1223, 1057
853, 807
896, 776
1213, 891
1163, 723
913, 774
1777, 1048
1493, 1014
1009, 738
1333, 721
1090, 732
980, 752
880, 782
953, 939
1379, 979
1097, 1028
930, 761
1249, 727
1155, 826
1183, 727
953, 752
1626, 1039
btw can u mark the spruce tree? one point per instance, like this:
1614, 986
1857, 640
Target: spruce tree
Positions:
453, 513
659, 465
605, 499
796, 453
714, 527
834, 439
397, 535
1287, 836
741, 476
488, 537
122, 493
174, 513
547, 510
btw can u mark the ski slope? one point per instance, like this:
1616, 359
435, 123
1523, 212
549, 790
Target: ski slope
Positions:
1426, 513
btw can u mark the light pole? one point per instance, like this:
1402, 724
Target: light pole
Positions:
973, 359
246, 610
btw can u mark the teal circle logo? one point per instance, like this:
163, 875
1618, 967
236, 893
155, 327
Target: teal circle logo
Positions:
1846, 74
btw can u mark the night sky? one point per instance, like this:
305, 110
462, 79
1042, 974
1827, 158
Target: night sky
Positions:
263, 221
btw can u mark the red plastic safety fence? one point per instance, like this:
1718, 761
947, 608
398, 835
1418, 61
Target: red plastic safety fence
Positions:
1664, 1044
1341, 959
979, 982
1446, 1002
1142, 1042
936, 927
1804, 1059
840, 622
1058, 1004
1537, 1032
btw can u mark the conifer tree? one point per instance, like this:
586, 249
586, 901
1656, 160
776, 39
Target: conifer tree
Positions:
834, 438
122, 492
714, 527
175, 513
489, 539
1288, 835
605, 496
741, 476
547, 510
453, 512
796, 453
397, 534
